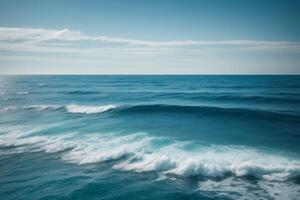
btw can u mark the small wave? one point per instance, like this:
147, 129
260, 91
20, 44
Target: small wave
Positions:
70, 108
42, 85
22, 93
89, 109
42, 107
8, 108
79, 92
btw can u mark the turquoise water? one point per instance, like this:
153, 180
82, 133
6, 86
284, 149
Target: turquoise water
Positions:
150, 137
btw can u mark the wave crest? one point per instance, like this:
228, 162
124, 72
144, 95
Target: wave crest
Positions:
89, 109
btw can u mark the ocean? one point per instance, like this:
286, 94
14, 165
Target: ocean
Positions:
149, 137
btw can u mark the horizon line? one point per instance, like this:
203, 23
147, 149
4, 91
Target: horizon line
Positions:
159, 74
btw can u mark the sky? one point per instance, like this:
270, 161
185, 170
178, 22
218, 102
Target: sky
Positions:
149, 37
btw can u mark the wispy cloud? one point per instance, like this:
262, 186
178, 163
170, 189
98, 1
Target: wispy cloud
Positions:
29, 39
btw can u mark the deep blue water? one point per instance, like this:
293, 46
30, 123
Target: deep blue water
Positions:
149, 137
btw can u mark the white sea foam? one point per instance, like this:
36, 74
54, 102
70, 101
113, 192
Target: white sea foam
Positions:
231, 188
238, 189
280, 190
89, 109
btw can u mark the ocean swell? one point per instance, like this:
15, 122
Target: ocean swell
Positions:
165, 109
207, 111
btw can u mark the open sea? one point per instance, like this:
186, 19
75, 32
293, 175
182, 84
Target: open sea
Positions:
149, 137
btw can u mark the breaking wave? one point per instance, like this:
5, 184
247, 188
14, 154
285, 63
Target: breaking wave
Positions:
141, 152
89, 109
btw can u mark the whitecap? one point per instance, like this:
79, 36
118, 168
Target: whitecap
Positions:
89, 109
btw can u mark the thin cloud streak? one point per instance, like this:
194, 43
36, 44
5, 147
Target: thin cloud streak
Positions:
30, 36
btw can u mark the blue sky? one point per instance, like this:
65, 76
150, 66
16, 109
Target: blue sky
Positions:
152, 37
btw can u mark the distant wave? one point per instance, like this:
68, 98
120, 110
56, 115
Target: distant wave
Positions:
165, 108
252, 86
8, 108
207, 110
89, 109
42, 85
22, 93
79, 92
43, 107
252, 98
141, 152
83, 109
231, 96
260, 98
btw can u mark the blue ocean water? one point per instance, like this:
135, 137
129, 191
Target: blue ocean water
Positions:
150, 137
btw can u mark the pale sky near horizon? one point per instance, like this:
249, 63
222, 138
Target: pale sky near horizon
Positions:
149, 37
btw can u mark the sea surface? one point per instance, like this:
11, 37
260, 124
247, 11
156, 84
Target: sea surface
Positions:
149, 137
